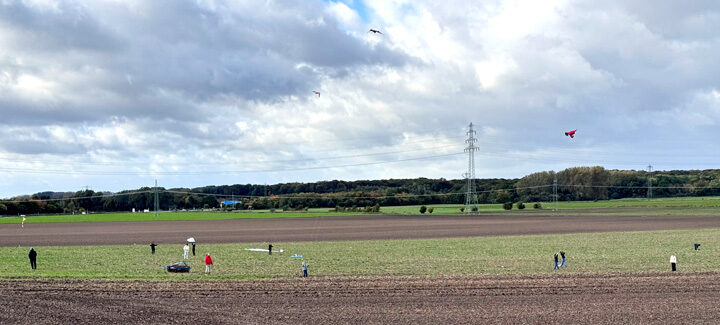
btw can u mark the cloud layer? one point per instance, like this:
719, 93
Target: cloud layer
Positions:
204, 92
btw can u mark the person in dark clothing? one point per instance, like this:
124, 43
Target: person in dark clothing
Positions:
193, 248
563, 263
152, 247
270, 249
33, 258
556, 262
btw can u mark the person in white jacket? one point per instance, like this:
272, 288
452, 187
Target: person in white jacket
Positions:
186, 251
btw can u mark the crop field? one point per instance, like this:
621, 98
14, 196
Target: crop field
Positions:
369, 269
646, 251
660, 206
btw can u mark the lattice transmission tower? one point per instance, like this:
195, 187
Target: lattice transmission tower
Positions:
471, 199
649, 182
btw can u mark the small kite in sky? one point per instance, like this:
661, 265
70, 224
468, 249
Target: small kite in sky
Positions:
317, 93
375, 31
571, 133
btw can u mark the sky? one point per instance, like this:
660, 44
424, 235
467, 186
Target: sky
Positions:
113, 95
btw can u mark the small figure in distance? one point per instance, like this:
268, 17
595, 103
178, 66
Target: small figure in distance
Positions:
563, 263
186, 251
22, 225
269, 249
152, 248
33, 258
375, 31
193, 248
316, 93
208, 263
571, 134
556, 262
305, 269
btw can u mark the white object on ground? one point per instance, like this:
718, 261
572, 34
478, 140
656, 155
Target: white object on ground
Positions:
263, 250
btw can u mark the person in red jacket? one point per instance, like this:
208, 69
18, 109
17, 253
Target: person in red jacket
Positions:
208, 263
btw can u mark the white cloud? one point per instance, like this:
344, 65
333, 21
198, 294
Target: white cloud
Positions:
227, 85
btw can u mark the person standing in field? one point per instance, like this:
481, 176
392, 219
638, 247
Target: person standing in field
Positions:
33, 258
556, 262
186, 251
563, 263
305, 269
152, 247
269, 249
193, 248
208, 263
22, 225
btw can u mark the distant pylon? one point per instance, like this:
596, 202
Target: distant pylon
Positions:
649, 183
157, 199
471, 195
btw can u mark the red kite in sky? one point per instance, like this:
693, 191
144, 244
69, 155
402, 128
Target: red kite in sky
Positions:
317, 93
375, 31
571, 133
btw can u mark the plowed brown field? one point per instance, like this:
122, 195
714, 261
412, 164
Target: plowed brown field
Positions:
587, 299
332, 228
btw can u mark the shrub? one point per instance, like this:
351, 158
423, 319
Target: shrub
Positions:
462, 209
430, 210
474, 209
272, 209
423, 209
537, 205
507, 205
521, 206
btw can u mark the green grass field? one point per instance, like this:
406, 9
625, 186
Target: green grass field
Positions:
164, 216
587, 253
661, 206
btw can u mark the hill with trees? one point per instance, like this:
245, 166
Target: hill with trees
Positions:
574, 184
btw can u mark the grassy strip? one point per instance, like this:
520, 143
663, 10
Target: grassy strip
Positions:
165, 216
587, 253
663, 206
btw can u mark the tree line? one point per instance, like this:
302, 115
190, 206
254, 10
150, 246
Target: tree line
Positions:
577, 183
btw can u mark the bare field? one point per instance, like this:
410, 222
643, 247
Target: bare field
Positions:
333, 228
588, 299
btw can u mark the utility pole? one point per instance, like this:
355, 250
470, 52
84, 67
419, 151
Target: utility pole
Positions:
471, 195
157, 199
649, 182
555, 193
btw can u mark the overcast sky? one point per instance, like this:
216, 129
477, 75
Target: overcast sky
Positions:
115, 94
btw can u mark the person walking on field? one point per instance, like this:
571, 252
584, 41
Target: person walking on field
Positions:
186, 251
152, 247
270, 249
208, 263
563, 263
305, 269
33, 258
193, 248
22, 225
556, 262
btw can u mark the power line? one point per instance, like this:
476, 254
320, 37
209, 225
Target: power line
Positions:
225, 172
77, 198
125, 163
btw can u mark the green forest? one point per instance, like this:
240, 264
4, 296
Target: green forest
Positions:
573, 184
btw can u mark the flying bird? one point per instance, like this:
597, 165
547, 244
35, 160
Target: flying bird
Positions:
571, 133
317, 93
375, 31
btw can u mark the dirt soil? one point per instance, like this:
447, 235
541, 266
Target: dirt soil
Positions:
570, 299
332, 228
